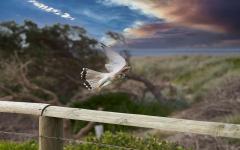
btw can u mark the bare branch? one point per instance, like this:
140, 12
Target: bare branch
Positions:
26, 83
85, 130
156, 90
73, 79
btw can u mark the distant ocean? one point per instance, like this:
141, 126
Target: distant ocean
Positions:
195, 51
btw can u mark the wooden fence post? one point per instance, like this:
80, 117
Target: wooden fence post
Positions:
50, 127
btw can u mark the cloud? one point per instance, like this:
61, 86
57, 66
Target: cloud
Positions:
51, 10
140, 5
168, 35
130, 32
90, 14
183, 23
145, 30
100, 17
210, 15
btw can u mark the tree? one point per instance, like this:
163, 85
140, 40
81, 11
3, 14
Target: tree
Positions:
57, 54
42, 64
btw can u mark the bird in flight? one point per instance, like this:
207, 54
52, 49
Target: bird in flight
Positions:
117, 68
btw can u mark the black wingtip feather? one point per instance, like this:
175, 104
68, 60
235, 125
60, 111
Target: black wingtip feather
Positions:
87, 85
83, 73
83, 77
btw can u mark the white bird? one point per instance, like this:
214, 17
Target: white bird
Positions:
117, 68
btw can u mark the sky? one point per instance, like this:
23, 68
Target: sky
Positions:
146, 24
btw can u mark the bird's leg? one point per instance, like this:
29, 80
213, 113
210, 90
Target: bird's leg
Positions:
98, 89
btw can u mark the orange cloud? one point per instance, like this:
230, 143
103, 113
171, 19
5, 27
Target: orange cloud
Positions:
147, 30
210, 15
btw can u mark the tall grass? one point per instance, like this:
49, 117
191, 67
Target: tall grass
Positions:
193, 75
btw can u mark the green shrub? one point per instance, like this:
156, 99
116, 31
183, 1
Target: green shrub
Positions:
234, 61
30, 145
119, 102
108, 141
122, 140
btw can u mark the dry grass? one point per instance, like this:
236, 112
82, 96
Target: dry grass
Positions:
192, 75
215, 91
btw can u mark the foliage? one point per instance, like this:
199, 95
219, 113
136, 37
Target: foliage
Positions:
108, 141
125, 140
57, 54
56, 40
120, 102
30, 145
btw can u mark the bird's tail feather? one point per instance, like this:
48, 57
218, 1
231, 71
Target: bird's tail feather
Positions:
91, 78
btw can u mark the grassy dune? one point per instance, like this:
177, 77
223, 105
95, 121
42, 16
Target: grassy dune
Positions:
210, 86
193, 75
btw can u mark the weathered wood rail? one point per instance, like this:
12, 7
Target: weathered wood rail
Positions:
50, 121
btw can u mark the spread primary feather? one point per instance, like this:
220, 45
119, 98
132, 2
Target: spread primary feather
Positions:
94, 79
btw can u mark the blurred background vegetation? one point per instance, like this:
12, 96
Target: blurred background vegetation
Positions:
43, 64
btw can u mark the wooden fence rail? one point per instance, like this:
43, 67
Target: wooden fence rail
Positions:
50, 123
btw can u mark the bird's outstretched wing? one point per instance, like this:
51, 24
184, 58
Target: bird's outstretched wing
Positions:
92, 79
95, 80
116, 61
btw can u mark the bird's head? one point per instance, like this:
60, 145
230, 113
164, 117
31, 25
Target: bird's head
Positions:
123, 72
126, 69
